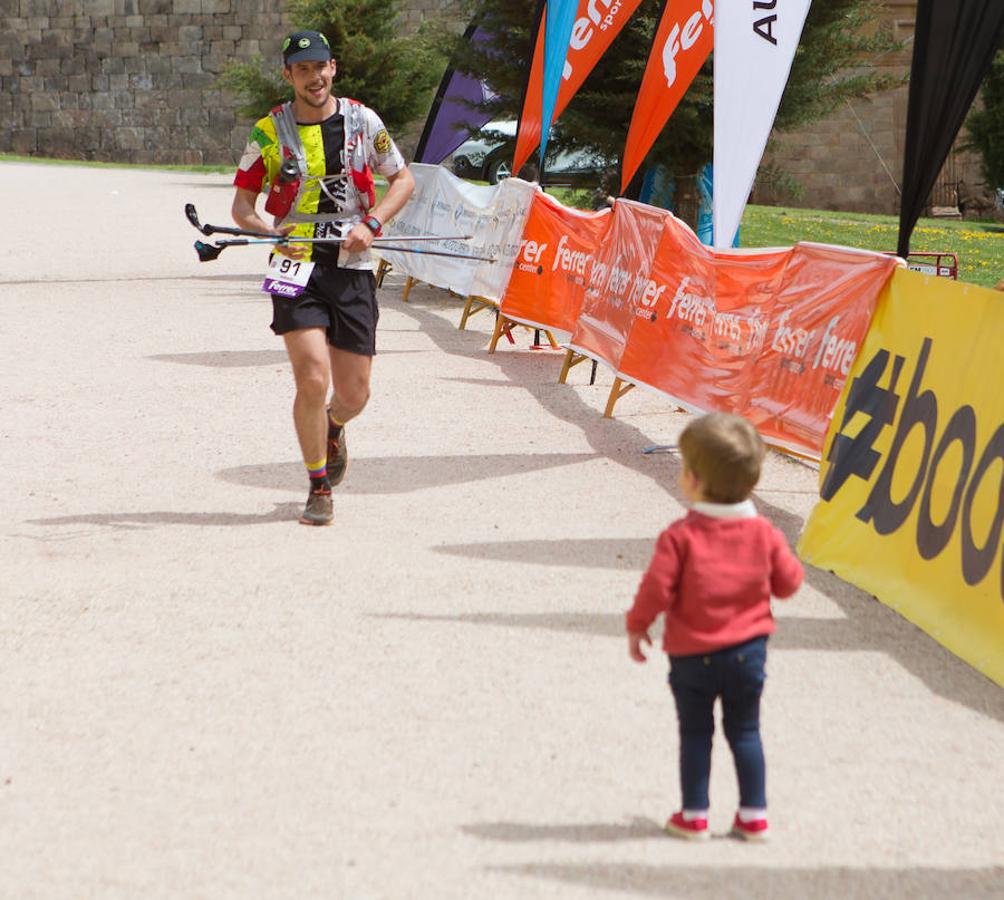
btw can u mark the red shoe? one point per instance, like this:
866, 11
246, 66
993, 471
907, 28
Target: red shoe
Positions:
693, 830
756, 830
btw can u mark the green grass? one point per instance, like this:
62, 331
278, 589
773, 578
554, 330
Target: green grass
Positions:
979, 245
95, 164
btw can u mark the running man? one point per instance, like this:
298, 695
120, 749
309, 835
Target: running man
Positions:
323, 294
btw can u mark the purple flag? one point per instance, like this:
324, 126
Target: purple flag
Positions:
453, 118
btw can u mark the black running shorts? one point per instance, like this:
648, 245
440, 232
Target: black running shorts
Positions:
341, 301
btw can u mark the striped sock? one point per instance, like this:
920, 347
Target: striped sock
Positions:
334, 426
318, 473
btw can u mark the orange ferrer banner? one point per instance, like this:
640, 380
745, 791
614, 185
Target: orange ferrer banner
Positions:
822, 312
597, 23
695, 337
555, 257
767, 334
618, 281
685, 37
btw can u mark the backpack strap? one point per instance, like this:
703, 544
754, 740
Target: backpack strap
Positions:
288, 134
355, 151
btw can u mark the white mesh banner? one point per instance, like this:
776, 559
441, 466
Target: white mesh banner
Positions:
755, 44
445, 205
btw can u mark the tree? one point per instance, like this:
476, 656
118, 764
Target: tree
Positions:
986, 125
831, 65
376, 65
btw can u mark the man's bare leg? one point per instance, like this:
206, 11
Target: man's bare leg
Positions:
350, 383
350, 391
308, 354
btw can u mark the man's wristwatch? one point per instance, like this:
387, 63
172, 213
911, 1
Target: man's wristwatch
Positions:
373, 224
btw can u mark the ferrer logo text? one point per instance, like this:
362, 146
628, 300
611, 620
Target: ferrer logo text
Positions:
682, 38
584, 28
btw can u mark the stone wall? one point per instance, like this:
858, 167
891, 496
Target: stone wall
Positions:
414, 12
127, 80
853, 159
134, 81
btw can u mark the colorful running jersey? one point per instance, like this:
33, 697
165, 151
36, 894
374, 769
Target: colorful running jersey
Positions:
338, 202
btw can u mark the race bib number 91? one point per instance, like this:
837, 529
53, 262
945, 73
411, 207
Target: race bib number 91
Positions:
286, 277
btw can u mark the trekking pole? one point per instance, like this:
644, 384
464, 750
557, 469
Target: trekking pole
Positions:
193, 217
209, 252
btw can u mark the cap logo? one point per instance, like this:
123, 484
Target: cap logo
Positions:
285, 45
304, 43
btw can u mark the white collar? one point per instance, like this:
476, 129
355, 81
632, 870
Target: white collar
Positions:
742, 510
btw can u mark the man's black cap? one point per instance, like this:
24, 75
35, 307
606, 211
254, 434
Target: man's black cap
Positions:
305, 46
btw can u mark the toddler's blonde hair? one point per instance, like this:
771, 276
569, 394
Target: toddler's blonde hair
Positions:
724, 451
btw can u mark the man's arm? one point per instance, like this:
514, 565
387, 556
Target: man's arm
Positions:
245, 214
400, 187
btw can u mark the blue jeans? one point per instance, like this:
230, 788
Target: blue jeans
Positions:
736, 674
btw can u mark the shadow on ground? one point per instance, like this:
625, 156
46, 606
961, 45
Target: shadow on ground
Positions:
217, 185
867, 624
725, 882
794, 633
132, 279
630, 554
232, 359
406, 474
225, 359
572, 833
283, 512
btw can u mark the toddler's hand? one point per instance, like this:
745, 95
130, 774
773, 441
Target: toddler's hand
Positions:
635, 640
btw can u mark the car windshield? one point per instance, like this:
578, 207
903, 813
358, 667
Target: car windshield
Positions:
487, 156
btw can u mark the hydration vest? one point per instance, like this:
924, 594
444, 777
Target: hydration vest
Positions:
357, 167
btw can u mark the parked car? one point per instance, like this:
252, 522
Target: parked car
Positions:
488, 157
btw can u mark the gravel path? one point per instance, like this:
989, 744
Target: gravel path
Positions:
431, 699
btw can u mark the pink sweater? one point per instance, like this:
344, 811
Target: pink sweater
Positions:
713, 574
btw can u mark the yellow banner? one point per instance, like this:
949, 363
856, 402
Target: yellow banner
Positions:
912, 476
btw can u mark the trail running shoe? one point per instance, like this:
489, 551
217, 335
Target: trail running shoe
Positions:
692, 830
318, 510
756, 830
338, 455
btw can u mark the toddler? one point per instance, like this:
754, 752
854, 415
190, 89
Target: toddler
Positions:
713, 574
